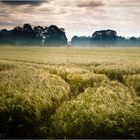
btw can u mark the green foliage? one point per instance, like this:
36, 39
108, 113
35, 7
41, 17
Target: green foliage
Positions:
133, 81
64, 71
69, 92
116, 72
5, 66
104, 112
78, 78
79, 82
28, 98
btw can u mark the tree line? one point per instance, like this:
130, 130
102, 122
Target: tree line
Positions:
55, 36
105, 38
38, 35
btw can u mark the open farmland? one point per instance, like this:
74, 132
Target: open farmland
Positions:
69, 92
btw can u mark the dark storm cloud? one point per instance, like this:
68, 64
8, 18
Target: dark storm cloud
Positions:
23, 2
90, 4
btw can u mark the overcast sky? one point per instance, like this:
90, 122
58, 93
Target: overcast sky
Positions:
78, 17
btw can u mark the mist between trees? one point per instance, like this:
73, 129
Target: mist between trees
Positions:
55, 36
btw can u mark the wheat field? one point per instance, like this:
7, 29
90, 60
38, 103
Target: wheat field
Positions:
69, 92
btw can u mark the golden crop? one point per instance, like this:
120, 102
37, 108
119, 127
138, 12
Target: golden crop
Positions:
69, 92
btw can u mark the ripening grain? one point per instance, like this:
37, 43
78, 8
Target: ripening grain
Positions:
69, 92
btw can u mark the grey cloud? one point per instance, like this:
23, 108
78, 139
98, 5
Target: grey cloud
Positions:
5, 23
77, 16
90, 4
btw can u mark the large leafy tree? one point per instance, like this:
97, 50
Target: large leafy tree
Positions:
55, 36
104, 37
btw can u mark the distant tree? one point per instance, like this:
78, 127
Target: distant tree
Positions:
122, 41
16, 35
29, 36
121, 38
133, 39
5, 36
81, 41
104, 37
138, 39
24, 35
27, 27
54, 36
1, 36
75, 40
39, 31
